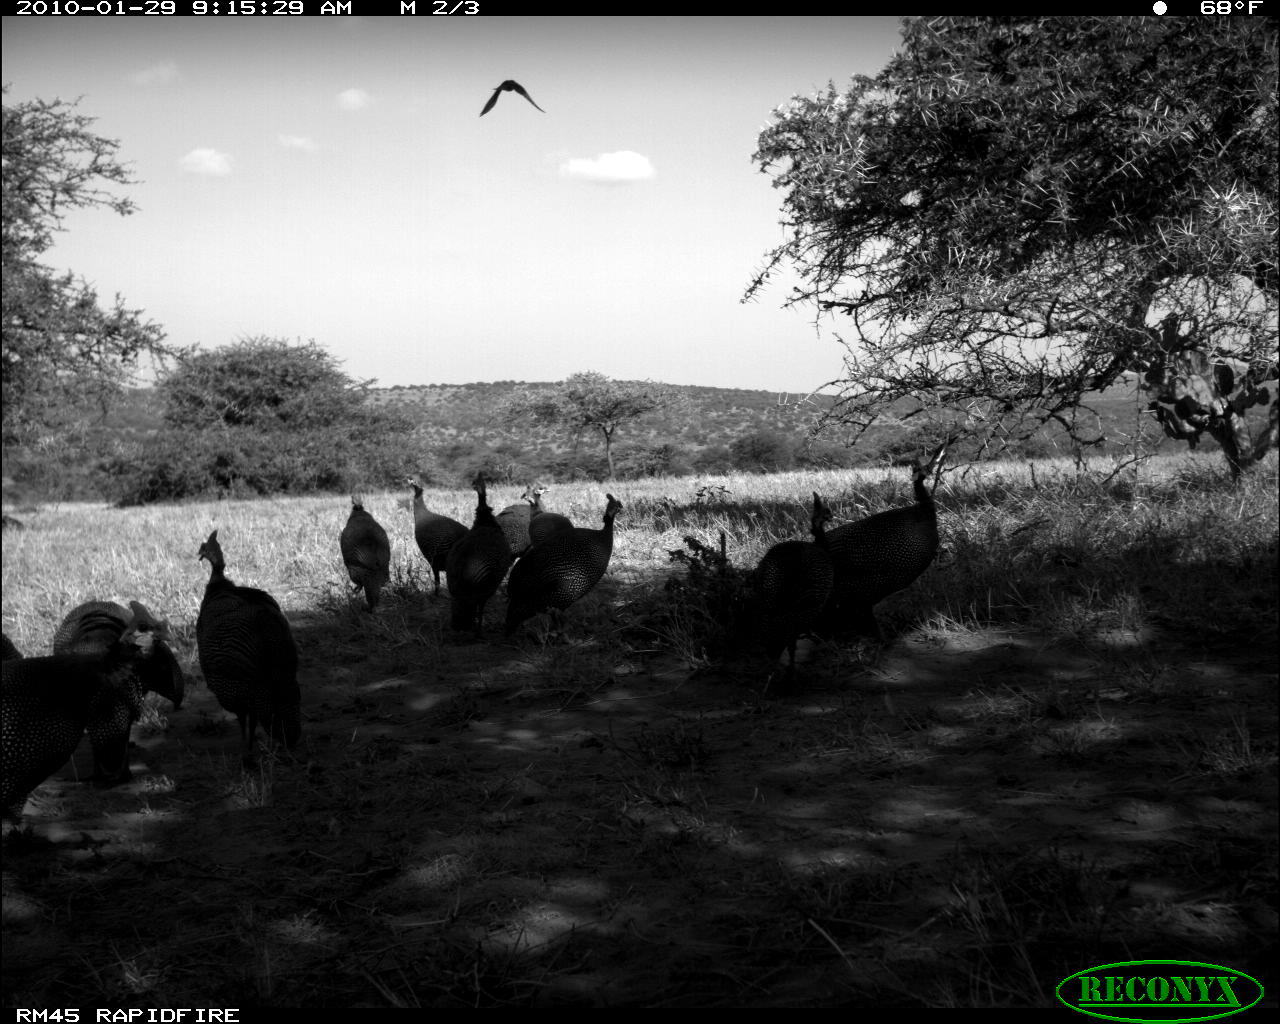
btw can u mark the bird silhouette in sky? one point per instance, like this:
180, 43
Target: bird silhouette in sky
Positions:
507, 86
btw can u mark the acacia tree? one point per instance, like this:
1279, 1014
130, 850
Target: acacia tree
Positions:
63, 352
593, 403
1017, 212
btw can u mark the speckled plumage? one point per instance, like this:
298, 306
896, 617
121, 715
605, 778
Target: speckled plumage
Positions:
882, 554
544, 525
366, 552
47, 703
514, 520
92, 628
248, 656
436, 534
792, 585
10, 651
560, 570
476, 565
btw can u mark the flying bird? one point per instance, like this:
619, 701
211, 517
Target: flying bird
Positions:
507, 86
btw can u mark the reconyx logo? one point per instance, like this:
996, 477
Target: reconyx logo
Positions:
1163, 990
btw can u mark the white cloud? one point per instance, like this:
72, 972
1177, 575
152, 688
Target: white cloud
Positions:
157, 74
621, 166
206, 161
353, 99
297, 142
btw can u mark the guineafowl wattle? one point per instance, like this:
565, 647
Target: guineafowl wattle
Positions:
92, 628
543, 524
435, 534
882, 554
10, 651
366, 552
791, 586
476, 565
561, 569
514, 520
47, 703
248, 656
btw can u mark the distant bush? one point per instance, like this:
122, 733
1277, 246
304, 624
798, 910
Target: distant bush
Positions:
764, 451
655, 460
713, 458
255, 418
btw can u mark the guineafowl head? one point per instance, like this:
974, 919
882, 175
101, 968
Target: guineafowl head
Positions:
212, 551
136, 643
821, 515
922, 470
612, 507
144, 622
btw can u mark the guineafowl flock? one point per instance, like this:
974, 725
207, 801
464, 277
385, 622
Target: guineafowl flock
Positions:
105, 657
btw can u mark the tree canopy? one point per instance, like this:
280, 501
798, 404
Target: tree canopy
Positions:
63, 352
1016, 212
593, 403
263, 416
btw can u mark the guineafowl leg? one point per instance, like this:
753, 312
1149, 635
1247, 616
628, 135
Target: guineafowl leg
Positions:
248, 730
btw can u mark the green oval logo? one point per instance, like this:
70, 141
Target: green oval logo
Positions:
1163, 990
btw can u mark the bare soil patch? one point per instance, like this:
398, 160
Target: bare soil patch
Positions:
957, 819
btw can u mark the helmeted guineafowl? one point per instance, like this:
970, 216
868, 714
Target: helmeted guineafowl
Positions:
476, 565
47, 703
248, 656
366, 552
543, 524
882, 554
92, 628
10, 652
791, 586
561, 569
436, 534
514, 520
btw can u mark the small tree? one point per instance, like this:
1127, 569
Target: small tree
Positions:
1017, 212
592, 402
63, 355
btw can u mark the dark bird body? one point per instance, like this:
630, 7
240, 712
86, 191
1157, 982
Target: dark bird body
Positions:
792, 585
248, 656
882, 554
11, 653
544, 525
46, 704
435, 534
476, 565
366, 551
93, 628
561, 569
514, 520
507, 86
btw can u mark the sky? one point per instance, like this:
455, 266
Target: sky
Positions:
330, 179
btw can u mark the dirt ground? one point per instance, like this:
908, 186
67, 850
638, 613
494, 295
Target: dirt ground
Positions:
958, 820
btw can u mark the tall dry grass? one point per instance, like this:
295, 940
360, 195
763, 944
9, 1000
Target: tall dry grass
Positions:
1036, 545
